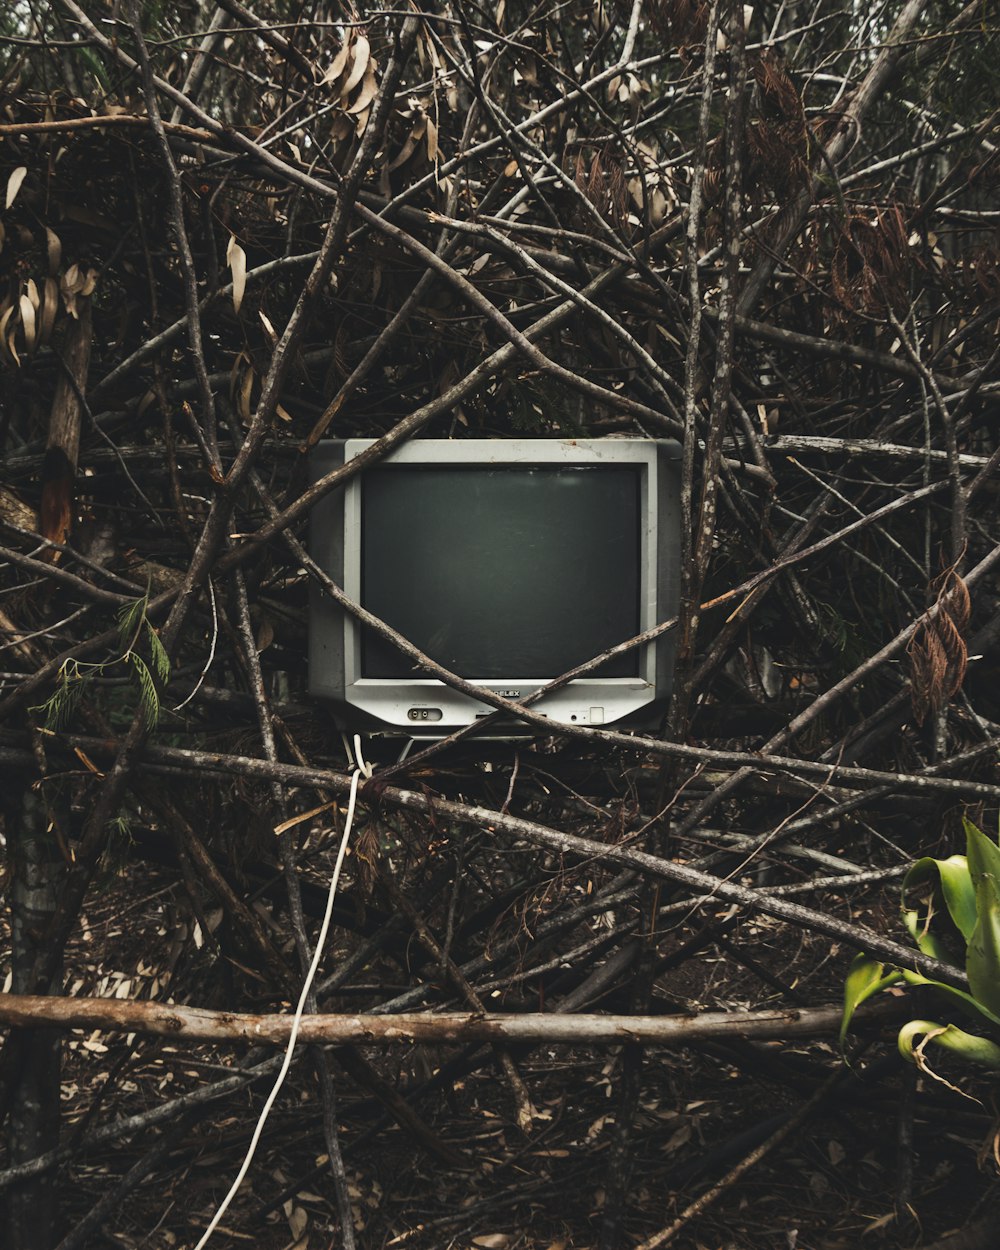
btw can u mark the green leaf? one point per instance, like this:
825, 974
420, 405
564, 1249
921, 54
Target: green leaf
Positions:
161, 661
983, 854
913, 1037
966, 1002
864, 978
968, 888
149, 699
93, 63
58, 709
983, 956
954, 888
982, 963
130, 618
928, 943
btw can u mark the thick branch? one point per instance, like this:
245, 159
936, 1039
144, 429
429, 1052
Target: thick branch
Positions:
195, 1024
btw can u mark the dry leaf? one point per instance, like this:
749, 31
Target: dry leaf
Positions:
297, 1218
368, 92
54, 248
7, 344
236, 259
303, 816
938, 654
14, 184
50, 306
361, 53
27, 310
410, 146
77, 282
246, 389
338, 65
678, 1138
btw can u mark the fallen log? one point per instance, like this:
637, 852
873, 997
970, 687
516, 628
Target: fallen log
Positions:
197, 1024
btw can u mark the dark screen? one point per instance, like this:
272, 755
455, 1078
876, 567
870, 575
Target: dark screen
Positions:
501, 572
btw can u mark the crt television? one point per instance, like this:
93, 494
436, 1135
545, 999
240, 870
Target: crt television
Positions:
509, 562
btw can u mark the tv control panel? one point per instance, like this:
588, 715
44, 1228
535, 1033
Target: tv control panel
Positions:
424, 713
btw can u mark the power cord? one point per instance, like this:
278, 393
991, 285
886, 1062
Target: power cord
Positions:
363, 770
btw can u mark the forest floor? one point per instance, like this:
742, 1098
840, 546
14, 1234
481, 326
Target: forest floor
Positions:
877, 1144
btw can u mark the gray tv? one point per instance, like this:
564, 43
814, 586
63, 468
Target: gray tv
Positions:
509, 562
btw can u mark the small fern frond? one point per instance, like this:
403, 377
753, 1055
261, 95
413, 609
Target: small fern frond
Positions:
161, 661
57, 711
130, 619
149, 699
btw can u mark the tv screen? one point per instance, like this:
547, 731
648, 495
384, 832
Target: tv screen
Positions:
506, 561
501, 573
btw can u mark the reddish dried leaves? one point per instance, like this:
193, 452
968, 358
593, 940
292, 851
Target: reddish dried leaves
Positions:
938, 654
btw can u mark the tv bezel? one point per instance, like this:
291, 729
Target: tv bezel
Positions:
424, 706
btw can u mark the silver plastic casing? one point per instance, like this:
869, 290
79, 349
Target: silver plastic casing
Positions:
422, 706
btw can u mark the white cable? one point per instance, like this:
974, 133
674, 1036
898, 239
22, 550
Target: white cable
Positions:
363, 770
211, 650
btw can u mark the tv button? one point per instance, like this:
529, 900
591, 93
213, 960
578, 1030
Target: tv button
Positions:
597, 716
424, 713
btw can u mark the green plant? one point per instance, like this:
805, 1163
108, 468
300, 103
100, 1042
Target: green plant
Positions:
136, 631
956, 918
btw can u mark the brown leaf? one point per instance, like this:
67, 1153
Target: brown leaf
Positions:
779, 97
50, 306
27, 309
366, 852
236, 259
14, 184
410, 146
341, 362
368, 92
7, 343
54, 250
604, 184
959, 601
938, 653
265, 635
338, 66
360, 53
